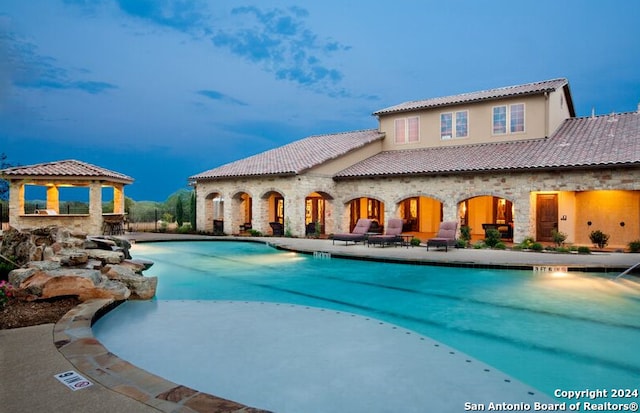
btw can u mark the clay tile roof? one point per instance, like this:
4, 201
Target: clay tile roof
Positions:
296, 157
579, 142
70, 169
491, 94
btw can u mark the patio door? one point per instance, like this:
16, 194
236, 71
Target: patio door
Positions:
314, 215
546, 216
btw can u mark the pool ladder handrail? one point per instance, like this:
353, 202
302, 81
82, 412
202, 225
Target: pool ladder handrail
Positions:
627, 271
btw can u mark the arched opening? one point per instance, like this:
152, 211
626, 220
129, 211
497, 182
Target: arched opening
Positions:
314, 214
421, 215
482, 213
370, 208
274, 212
214, 212
242, 214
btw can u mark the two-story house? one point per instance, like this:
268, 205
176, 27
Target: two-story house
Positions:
515, 158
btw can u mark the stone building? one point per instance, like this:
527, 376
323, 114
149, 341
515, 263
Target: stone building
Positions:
514, 158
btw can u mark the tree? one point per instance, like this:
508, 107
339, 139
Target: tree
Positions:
4, 185
192, 209
179, 212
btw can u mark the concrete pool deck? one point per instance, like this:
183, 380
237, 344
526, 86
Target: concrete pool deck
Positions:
30, 357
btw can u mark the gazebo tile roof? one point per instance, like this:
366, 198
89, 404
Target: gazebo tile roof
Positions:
67, 169
295, 157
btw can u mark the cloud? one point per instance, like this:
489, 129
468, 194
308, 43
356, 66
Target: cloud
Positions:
182, 15
26, 68
215, 95
279, 41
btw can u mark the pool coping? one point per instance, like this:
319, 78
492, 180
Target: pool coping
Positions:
73, 338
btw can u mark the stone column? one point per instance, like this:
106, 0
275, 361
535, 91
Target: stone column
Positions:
53, 198
16, 203
95, 208
118, 198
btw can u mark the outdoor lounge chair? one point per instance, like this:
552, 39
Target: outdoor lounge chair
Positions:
446, 236
358, 234
391, 236
277, 229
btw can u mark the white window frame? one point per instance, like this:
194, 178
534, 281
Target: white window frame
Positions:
403, 129
509, 124
453, 120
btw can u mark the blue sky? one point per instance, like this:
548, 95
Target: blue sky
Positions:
161, 90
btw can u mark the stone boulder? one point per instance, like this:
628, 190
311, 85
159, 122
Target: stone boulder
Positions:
85, 284
106, 257
55, 262
141, 287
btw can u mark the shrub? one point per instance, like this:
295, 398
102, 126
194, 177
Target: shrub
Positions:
558, 237
6, 267
465, 235
536, 246
599, 238
500, 246
415, 241
584, 250
479, 245
460, 243
634, 246
527, 243
5, 292
493, 238
255, 233
184, 229
562, 249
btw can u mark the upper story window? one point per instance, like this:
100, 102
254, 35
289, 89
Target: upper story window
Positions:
449, 129
508, 118
407, 130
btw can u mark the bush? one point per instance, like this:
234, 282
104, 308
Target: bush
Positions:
634, 246
184, 229
460, 243
536, 246
465, 235
599, 238
558, 237
527, 243
493, 238
584, 250
414, 242
479, 245
500, 246
255, 233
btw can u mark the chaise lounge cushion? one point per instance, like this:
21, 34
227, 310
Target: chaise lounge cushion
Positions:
358, 234
392, 234
446, 236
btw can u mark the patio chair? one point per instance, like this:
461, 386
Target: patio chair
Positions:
391, 235
277, 229
446, 236
358, 234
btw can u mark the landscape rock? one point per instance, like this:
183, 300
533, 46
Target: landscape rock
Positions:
54, 263
106, 257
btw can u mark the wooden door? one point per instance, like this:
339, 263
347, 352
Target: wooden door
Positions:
546, 216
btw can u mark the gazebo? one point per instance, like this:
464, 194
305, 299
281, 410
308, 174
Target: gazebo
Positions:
68, 173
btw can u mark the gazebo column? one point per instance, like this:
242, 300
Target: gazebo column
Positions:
16, 201
118, 199
95, 207
53, 198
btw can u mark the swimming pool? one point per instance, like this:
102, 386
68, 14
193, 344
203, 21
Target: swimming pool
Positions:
551, 331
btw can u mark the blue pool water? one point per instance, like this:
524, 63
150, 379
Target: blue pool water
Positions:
552, 331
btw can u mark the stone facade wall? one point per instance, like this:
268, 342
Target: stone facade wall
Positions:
448, 189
